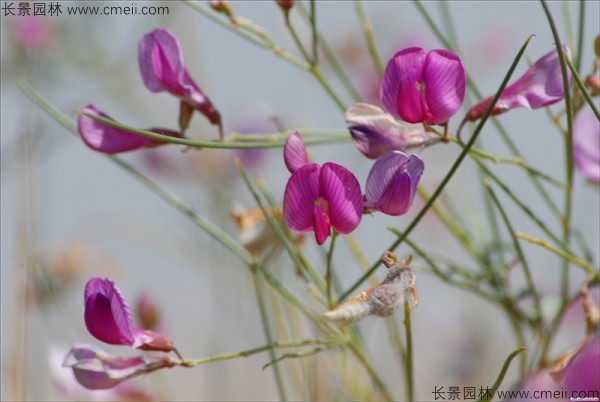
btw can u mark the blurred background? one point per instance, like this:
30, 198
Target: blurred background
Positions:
69, 213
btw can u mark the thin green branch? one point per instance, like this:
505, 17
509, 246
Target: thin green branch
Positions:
501, 375
296, 355
334, 236
369, 36
315, 33
582, 88
408, 366
580, 35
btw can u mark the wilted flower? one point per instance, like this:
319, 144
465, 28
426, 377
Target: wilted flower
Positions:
392, 183
163, 69
420, 87
105, 138
108, 318
375, 132
586, 142
95, 369
319, 197
540, 86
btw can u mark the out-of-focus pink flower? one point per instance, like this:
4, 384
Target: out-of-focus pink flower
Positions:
586, 142
376, 132
540, 86
319, 197
392, 183
540, 381
107, 139
420, 87
581, 374
33, 33
108, 318
163, 69
294, 152
147, 312
95, 369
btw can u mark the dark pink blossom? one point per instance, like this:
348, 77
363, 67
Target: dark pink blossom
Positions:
420, 87
95, 369
108, 318
392, 183
105, 138
586, 142
540, 86
163, 69
376, 132
581, 374
318, 197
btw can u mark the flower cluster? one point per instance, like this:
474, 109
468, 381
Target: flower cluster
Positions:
108, 318
319, 198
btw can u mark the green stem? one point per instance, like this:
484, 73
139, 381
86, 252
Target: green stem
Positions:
502, 373
580, 35
297, 41
448, 176
409, 369
368, 32
328, 272
264, 315
582, 88
317, 74
315, 33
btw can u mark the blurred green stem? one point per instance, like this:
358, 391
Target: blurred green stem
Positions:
334, 236
408, 365
370, 38
502, 373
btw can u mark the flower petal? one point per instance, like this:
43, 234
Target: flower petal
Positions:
107, 315
301, 191
161, 62
294, 152
398, 92
586, 141
322, 224
104, 138
341, 190
445, 82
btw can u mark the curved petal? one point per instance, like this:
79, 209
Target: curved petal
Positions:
341, 190
107, 315
294, 152
146, 339
398, 92
301, 192
322, 223
445, 82
104, 138
161, 62
586, 141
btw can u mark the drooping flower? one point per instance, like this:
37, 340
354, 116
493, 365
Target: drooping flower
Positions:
392, 183
420, 87
163, 69
586, 142
376, 132
540, 86
319, 197
107, 139
95, 369
108, 318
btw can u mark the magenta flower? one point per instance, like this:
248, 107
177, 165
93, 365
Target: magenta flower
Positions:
586, 142
540, 86
420, 87
108, 318
105, 138
95, 369
392, 183
582, 371
376, 132
319, 197
294, 152
163, 69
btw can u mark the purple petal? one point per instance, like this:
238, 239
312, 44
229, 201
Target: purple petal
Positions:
301, 192
161, 62
344, 197
586, 141
145, 339
398, 92
322, 223
445, 82
392, 183
582, 372
104, 138
107, 315
294, 152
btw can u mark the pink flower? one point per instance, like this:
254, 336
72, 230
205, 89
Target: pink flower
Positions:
581, 374
586, 142
105, 138
33, 32
319, 197
95, 369
108, 318
420, 87
540, 86
392, 183
147, 312
375, 132
539, 382
163, 69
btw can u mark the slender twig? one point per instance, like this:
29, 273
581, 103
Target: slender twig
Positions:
501, 375
409, 369
315, 33
368, 32
582, 87
580, 35
334, 236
